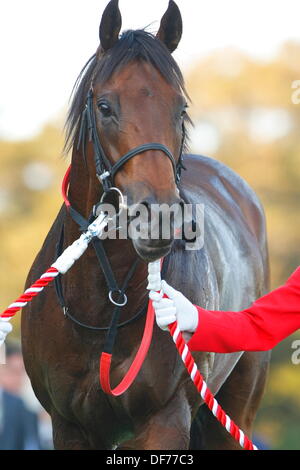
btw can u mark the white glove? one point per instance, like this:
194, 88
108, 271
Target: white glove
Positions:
176, 307
5, 328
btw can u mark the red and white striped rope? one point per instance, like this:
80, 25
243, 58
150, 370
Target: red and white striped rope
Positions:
67, 259
205, 392
30, 293
61, 265
154, 285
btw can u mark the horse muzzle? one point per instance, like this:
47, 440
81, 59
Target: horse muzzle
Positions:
152, 228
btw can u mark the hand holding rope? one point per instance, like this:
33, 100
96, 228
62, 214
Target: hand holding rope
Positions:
64, 263
154, 286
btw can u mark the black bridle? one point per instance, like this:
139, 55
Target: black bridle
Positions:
105, 171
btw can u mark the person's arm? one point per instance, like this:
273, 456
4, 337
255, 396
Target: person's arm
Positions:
259, 327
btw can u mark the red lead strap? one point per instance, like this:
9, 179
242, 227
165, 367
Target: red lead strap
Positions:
65, 186
105, 360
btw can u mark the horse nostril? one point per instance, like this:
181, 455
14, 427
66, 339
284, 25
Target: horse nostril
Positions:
146, 204
159, 214
112, 198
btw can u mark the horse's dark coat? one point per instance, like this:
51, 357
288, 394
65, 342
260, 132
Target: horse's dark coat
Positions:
229, 272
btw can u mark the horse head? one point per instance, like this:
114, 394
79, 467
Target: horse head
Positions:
131, 102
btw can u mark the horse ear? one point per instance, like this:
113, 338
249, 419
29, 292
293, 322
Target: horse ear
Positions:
170, 30
110, 25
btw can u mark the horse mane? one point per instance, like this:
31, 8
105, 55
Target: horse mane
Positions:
132, 46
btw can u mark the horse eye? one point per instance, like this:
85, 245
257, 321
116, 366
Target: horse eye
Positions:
184, 111
105, 109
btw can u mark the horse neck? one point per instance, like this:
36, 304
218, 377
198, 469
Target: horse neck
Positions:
84, 192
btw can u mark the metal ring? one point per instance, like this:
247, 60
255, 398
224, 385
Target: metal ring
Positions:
113, 301
121, 202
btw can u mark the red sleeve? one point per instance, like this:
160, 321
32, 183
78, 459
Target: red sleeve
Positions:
260, 327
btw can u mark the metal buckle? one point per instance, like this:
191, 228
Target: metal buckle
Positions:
103, 176
117, 304
122, 204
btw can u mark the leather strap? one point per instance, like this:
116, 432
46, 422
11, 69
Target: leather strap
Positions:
104, 169
141, 149
106, 358
65, 308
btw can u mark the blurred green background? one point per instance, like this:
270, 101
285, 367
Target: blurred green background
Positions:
243, 115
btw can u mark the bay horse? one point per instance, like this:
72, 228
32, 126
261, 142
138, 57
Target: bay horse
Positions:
136, 94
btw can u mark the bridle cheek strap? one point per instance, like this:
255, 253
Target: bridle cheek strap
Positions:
105, 171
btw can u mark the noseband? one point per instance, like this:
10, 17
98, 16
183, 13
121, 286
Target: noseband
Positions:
105, 171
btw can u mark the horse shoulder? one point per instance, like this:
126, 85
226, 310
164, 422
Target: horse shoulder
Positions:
225, 186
